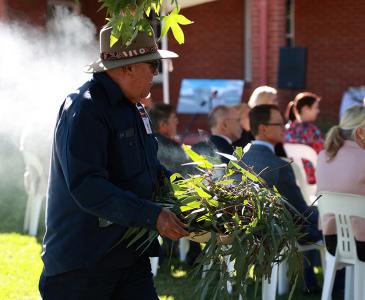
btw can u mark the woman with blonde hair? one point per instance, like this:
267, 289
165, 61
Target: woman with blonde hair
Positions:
263, 95
341, 168
302, 112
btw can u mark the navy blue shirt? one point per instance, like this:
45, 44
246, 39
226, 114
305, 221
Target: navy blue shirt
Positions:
104, 171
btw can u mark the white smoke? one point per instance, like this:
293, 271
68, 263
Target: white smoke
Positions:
38, 68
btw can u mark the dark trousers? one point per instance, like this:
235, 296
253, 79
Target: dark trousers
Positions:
133, 283
311, 259
331, 244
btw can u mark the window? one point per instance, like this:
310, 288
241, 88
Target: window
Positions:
289, 34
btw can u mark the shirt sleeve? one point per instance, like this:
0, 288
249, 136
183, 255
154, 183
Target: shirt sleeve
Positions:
84, 158
317, 140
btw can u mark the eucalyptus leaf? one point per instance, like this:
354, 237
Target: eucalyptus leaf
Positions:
262, 228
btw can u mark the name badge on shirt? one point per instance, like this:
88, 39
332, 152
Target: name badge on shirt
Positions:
145, 118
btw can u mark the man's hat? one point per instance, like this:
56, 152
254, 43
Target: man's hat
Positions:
142, 49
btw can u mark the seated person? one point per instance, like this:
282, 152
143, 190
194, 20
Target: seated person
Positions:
225, 127
246, 135
267, 125
266, 95
302, 112
263, 95
170, 153
164, 123
344, 155
224, 124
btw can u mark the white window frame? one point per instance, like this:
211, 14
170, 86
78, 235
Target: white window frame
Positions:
247, 71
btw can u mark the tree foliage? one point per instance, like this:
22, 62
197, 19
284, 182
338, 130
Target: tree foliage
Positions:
128, 17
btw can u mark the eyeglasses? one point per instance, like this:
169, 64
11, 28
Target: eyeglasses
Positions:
275, 124
155, 64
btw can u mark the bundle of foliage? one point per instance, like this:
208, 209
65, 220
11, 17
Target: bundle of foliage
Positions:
249, 223
128, 17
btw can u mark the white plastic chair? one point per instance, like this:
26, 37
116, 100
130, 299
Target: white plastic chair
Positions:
230, 269
184, 245
35, 183
301, 181
155, 260
344, 206
279, 281
297, 152
35, 147
154, 265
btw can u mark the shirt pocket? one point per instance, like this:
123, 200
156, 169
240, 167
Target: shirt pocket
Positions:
128, 160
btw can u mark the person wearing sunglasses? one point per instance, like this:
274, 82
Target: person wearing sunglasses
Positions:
268, 127
104, 176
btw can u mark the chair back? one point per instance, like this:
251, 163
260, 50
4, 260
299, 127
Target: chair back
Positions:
37, 173
297, 152
343, 206
299, 179
35, 184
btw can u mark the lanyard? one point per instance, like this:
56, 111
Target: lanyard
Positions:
145, 118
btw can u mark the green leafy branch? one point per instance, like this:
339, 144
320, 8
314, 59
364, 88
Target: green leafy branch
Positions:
128, 17
238, 207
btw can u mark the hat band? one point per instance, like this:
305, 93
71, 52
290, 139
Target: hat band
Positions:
127, 54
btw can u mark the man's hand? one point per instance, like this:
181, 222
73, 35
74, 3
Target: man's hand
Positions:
169, 225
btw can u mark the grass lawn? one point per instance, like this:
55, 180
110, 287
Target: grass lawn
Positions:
20, 267
172, 283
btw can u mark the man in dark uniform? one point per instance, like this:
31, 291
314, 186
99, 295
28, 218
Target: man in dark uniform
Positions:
103, 179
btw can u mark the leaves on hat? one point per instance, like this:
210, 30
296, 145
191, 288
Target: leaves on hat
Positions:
128, 17
172, 21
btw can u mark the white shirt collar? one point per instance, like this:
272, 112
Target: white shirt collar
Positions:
264, 143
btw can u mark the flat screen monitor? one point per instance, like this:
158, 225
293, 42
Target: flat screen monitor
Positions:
200, 96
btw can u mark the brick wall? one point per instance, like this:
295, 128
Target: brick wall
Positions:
334, 34
33, 12
274, 39
213, 48
3, 10
331, 30
90, 8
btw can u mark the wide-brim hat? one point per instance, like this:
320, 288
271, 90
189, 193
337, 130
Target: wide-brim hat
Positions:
142, 49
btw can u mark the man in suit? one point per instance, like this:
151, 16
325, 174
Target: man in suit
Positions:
224, 124
225, 127
267, 125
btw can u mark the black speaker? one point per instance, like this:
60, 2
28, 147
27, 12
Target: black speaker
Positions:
292, 68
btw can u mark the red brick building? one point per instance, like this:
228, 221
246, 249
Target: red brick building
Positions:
241, 39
